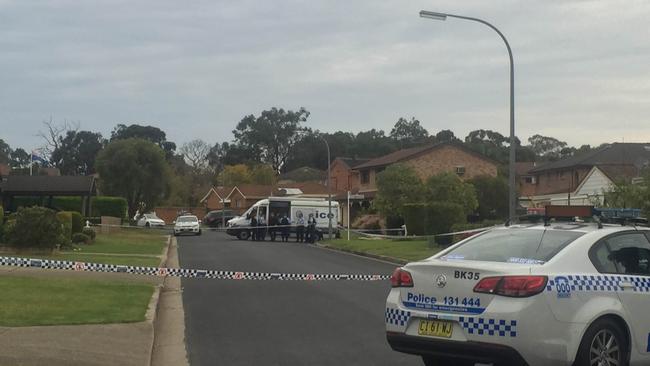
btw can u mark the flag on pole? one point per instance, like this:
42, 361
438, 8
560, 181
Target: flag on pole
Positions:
39, 159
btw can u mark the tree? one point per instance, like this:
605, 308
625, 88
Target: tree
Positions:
627, 195
54, 133
196, 154
489, 143
446, 136
372, 144
233, 175
271, 136
547, 148
19, 159
447, 187
76, 152
492, 197
149, 133
5, 152
408, 133
135, 169
397, 185
263, 174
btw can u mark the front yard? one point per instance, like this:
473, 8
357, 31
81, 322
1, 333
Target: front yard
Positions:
408, 250
29, 300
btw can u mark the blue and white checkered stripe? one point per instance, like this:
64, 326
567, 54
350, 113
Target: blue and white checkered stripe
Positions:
397, 316
601, 283
182, 272
493, 327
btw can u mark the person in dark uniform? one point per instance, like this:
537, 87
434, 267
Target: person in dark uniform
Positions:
284, 222
311, 229
300, 227
253, 229
273, 223
261, 228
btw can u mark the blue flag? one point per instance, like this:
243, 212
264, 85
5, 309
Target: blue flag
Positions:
38, 159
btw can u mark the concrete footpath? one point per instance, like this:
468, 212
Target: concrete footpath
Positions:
103, 344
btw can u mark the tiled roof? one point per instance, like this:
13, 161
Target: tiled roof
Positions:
633, 154
406, 154
353, 162
43, 184
255, 190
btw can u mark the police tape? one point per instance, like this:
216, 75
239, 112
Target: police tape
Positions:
182, 272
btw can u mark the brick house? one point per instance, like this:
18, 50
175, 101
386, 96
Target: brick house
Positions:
428, 161
245, 195
216, 198
583, 179
343, 176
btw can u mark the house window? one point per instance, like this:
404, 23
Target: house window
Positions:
237, 204
530, 180
365, 177
460, 170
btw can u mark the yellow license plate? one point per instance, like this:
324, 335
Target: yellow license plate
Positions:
436, 328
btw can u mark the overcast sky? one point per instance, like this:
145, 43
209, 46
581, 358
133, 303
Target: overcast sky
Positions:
195, 68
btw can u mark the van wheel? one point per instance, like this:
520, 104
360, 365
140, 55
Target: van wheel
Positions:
243, 235
604, 343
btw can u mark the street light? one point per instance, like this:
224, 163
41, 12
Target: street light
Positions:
329, 189
511, 181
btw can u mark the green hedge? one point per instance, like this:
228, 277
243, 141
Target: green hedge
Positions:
2, 221
100, 206
109, 206
432, 218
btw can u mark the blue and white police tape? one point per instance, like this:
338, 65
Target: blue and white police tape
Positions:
182, 272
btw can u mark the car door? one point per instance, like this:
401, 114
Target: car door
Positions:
628, 254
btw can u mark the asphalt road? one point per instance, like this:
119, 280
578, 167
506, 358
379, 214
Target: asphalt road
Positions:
283, 322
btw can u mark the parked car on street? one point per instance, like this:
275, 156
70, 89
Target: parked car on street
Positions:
218, 217
569, 293
150, 220
189, 224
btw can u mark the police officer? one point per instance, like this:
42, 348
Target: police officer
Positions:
311, 229
273, 223
284, 230
300, 228
253, 230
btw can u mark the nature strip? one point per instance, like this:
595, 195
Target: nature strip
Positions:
182, 272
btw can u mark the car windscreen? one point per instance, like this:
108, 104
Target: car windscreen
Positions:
150, 216
187, 219
528, 246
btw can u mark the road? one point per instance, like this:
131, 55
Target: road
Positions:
283, 322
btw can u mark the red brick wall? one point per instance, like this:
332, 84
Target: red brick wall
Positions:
560, 180
447, 158
343, 179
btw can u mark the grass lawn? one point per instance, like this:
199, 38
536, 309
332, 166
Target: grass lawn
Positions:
54, 301
410, 250
127, 241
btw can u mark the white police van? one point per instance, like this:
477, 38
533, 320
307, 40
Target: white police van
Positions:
570, 293
294, 207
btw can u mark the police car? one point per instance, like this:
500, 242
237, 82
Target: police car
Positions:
553, 293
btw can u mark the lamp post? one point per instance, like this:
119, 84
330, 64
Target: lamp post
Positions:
329, 189
512, 199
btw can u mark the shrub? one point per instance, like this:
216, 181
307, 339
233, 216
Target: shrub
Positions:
90, 232
35, 227
80, 238
2, 221
65, 219
77, 222
433, 218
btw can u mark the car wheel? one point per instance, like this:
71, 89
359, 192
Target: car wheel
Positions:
243, 235
147, 224
604, 343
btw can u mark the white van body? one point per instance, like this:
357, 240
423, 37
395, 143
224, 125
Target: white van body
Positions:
295, 206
